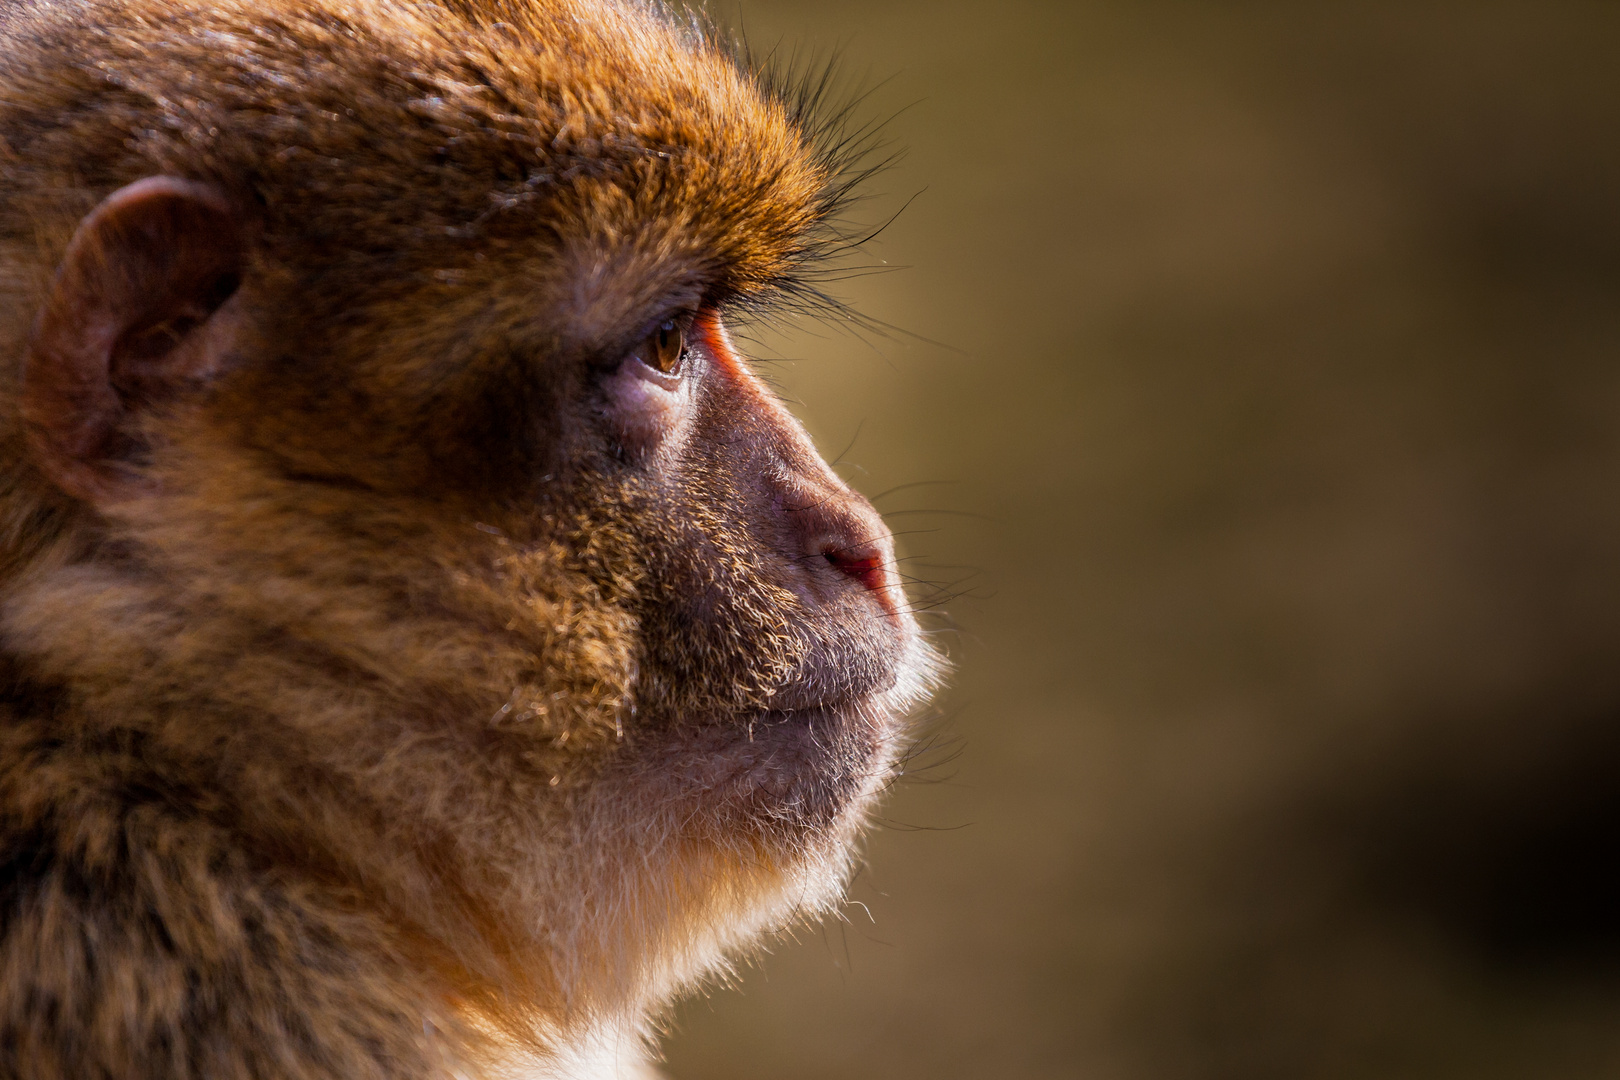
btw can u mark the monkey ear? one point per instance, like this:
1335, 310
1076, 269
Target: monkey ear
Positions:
130, 322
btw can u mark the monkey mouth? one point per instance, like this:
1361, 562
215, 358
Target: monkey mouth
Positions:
809, 766
809, 762
799, 768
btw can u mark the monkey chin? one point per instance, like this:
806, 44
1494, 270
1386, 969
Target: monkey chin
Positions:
750, 826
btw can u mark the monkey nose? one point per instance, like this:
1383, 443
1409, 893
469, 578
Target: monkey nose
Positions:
842, 529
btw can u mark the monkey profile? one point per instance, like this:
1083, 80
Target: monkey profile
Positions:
426, 646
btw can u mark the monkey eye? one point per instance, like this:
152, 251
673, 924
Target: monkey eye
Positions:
664, 349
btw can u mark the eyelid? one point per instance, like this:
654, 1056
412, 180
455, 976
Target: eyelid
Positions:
683, 318
665, 380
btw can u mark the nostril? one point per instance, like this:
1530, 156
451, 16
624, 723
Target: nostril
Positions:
865, 567
833, 523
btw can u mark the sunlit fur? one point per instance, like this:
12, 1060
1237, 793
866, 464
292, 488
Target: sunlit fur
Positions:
401, 728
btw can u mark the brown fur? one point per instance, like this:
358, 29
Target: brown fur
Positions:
397, 719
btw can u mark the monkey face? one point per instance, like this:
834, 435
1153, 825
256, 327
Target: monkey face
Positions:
740, 642
776, 651
391, 398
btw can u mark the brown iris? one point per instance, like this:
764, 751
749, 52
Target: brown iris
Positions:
664, 348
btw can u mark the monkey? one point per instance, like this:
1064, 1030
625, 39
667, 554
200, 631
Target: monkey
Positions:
427, 647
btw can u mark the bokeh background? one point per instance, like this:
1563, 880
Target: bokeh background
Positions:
1268, 464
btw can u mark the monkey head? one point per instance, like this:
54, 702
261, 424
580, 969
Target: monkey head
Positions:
385, 468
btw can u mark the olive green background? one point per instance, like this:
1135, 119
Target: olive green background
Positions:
1270, 413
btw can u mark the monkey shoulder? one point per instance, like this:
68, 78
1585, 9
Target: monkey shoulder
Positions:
139, 937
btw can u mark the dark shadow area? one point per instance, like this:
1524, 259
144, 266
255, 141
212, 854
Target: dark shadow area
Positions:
1520, 868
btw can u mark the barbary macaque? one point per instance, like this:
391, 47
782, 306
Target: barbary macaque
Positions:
427, 646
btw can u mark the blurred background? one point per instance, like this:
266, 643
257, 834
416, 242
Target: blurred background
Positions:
1269, 467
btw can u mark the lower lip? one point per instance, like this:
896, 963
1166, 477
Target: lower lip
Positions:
771, 755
